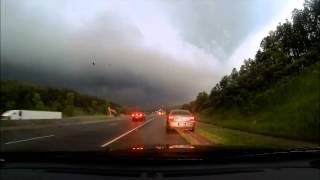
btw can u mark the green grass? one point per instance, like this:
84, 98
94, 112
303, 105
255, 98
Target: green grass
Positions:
188, 138
289, 109
228, 137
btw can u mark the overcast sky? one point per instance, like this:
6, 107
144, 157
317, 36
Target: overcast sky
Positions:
146, 53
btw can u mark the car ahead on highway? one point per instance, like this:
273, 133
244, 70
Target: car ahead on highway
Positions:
180, 118
137, 116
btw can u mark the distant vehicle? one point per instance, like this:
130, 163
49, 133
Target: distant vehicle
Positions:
137, 116
28, 114
180, 118
160, 112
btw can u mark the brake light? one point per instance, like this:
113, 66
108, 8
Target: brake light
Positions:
137, 148
192, 118
170, 117
132, 115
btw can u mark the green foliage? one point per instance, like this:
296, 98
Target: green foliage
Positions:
55, 106
289, 108
18, 95
68, 110
202, 101
287, 51
10, 104
70, 99
277, 92
37, 102
69, 104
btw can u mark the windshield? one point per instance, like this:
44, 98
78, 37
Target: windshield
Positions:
79, 76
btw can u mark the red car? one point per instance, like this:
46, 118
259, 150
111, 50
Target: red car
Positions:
137, 116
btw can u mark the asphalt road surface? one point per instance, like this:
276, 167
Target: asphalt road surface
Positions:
116, 134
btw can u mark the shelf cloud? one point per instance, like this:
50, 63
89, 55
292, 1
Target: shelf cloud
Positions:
137, 53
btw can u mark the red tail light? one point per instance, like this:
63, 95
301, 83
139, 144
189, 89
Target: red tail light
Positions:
132, 115
192, 118
170, 117
137, 148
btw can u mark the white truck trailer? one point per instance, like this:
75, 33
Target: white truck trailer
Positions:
28, 114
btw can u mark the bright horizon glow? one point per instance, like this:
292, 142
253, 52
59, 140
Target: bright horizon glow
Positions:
251, 45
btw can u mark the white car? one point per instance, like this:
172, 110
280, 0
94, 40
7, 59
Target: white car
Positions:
180, 118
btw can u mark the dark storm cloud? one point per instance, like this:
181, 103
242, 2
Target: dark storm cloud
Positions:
221, 26
124, 51
44, 50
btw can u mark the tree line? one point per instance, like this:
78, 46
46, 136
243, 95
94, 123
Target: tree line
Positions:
18, 95
286, 51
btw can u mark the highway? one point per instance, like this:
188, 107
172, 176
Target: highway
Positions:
95, 134
112, 134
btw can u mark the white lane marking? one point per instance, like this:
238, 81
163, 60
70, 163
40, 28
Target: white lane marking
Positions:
126, 133
30, 139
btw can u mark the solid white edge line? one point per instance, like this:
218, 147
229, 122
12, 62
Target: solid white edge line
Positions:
30, 139
126, 133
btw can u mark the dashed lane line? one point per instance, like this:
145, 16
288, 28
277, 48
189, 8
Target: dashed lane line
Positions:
126, 133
